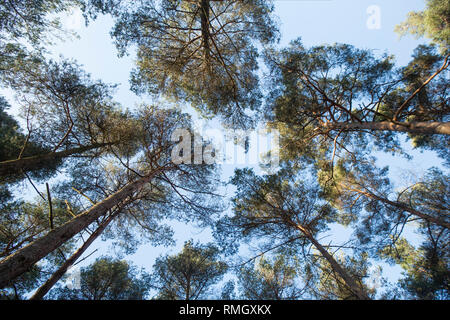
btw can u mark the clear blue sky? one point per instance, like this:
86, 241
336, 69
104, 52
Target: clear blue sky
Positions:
316, 22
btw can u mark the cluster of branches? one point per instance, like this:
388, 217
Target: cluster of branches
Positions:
115, 177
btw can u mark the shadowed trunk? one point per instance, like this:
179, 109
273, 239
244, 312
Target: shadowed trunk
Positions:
57, 275
411, 127
188, 289
204, 19
17, 166
21, 261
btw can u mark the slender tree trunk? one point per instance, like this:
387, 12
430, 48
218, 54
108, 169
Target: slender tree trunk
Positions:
406, 208
16, 166
411, 127
45, 288
351, 283
22, 260
188, 289
204, 19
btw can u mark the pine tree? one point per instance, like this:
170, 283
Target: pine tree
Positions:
107, 279
202, 52
284, 210
189, 274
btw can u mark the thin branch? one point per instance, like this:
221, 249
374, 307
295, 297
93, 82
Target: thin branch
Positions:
50, 207
38, 192
81, 193
405, 104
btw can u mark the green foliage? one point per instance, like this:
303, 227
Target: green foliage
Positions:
60, 99
328, 285
67, 113
430, 194
23, 222
364, 197
274, 205
185, 193
271, 279
328, 98
22, 19
13, 143
432, 101
190, 274
433, 23
280, 211
426, 269
326, 102
201, 52
20, 224
348, 186
341, 74
11, 138
107, 279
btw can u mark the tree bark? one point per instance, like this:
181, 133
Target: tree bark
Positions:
411, 127
22, 260
204, 19
55, 277
354, 287
17, 166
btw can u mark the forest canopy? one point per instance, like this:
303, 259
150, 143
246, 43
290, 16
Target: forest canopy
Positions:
80, 170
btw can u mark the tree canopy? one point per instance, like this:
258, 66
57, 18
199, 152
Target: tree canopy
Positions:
202, 52
107, 279
77, 167
188, 275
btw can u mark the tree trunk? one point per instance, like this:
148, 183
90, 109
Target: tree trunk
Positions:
354, 287
406, 208
188, 289
45, 288
411, 127
204, 19
22, 260
17, 166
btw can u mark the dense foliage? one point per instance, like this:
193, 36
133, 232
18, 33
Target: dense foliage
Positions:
77, 167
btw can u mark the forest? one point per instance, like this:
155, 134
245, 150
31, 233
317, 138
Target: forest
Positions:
318, 217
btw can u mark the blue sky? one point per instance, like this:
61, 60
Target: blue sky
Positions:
316, 22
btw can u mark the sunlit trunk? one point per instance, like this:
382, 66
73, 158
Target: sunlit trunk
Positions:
411, 127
